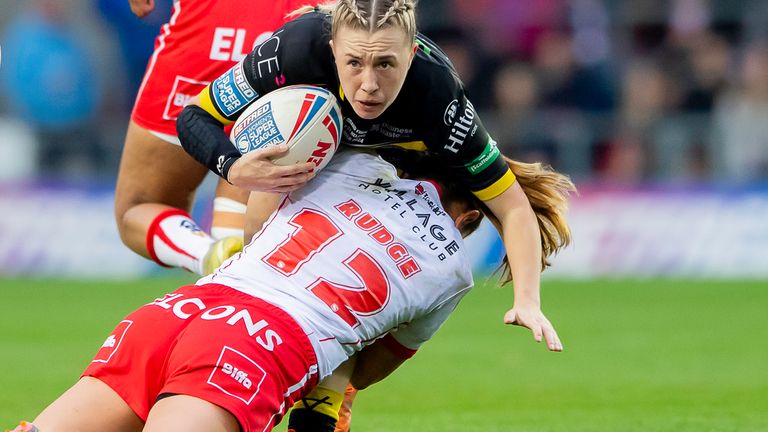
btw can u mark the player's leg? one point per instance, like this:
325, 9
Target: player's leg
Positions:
229, 209
189, 414
89, 405
344, 424
155, 190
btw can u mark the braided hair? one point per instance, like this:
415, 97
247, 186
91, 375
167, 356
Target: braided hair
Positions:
369, 15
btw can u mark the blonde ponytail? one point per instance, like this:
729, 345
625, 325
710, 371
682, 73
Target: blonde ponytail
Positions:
548, 192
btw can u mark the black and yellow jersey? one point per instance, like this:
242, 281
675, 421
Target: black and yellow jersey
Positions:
431, 113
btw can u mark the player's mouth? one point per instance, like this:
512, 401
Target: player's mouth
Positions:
368, 109
369, 104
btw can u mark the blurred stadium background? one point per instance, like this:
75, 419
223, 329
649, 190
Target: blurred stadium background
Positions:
657, 109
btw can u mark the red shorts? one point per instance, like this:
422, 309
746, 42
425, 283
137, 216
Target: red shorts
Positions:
202, 40
215, 343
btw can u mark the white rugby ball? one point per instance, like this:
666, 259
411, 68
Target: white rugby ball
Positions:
307, 118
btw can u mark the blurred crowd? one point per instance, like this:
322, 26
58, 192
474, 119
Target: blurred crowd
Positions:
626, 92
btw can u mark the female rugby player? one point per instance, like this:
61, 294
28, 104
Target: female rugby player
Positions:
333, 271
398, 91
157, 180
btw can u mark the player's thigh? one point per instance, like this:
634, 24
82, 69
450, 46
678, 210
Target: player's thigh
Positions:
189, 414
155, 171
89, 406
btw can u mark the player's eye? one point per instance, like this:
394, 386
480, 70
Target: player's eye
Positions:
385, 65
353, 63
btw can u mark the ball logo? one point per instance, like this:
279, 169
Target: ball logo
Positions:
243, 144
419, 189
306, 118
450, 112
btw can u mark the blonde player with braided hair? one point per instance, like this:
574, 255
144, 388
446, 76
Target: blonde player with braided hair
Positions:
399, 94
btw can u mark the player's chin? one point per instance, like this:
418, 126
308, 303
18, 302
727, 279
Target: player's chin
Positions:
369, 111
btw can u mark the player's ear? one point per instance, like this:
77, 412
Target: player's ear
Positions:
466, 218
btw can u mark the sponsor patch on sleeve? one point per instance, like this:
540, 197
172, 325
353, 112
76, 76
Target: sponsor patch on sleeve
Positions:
231, 91
489, 154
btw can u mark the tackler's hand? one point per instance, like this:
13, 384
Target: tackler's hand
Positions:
533, 319
142, 8
255, 172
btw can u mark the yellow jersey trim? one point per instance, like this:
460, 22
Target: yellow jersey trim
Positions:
412, 145
207, 104
497, 187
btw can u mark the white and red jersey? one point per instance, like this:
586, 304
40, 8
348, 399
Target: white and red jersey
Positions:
202, 40
356, 254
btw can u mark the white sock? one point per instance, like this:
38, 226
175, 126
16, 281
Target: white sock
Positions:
228, 218
175, 240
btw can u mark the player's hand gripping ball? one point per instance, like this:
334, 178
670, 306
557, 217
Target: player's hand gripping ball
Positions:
307, 118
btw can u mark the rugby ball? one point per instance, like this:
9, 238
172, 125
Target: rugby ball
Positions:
307, 118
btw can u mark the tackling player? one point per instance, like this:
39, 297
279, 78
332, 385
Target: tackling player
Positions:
333, 271
398, 90
157, 180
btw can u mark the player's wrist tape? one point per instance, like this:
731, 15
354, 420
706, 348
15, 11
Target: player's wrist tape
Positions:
203, 138
322, 400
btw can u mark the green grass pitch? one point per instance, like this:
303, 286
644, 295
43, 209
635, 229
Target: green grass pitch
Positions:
648, 355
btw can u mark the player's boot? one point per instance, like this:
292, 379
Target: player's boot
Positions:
25, 427
219, 252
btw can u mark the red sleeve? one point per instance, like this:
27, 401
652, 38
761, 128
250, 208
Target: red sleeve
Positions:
397, 348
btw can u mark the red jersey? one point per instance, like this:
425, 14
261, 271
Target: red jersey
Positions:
202, 40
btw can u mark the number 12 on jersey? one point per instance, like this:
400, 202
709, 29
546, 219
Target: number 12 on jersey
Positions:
313, 232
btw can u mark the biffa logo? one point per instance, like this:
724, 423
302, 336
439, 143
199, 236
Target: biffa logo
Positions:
237, 375
112, 343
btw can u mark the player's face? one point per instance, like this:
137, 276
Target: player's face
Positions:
372, 67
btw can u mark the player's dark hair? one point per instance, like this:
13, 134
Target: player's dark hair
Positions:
417, 165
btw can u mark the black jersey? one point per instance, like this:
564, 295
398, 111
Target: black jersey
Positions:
431, 113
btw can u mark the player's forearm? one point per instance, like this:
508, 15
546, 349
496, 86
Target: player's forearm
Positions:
203, 138
522, 243
523, 247
374, 363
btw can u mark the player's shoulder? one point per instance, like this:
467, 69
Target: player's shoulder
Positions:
433, 85
310, 24
305, 37
433, 69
